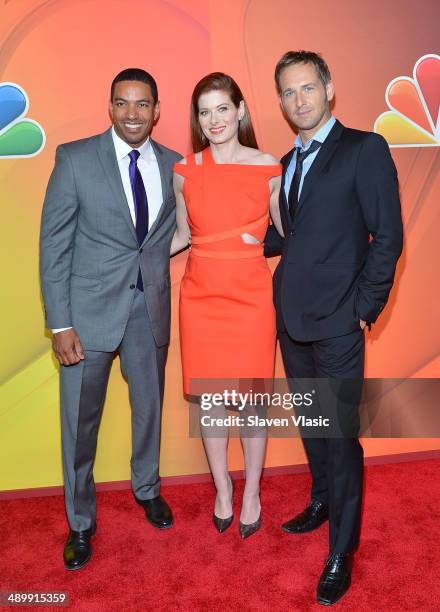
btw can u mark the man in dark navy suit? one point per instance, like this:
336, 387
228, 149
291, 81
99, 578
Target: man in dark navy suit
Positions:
342, 224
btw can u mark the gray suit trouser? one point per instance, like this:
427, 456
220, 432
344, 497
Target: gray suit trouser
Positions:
83, 390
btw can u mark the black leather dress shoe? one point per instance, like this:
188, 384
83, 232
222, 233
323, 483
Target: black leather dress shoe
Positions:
335, 579
78, 550
310, 519
157, 511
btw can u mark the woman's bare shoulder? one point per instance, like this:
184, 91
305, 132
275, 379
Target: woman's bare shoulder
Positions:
261, 158
268, 158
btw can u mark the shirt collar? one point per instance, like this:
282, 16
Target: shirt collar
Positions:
320, 135
123, 149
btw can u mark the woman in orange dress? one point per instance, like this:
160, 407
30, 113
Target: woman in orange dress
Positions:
224, 192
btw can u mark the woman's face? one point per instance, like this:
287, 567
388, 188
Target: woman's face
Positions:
218, 116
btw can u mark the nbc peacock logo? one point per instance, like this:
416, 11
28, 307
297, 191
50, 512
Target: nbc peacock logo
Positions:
19, 135
414, 116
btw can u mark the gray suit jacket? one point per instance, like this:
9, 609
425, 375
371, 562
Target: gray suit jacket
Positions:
89, 254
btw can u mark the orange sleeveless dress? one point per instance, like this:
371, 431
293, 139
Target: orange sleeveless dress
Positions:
226, 312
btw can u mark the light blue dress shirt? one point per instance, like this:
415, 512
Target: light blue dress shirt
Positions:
320, 136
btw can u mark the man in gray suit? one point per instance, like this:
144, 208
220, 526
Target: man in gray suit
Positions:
107, 224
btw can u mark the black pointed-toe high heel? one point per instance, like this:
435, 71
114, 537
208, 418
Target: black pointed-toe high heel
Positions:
221, 524
246, 530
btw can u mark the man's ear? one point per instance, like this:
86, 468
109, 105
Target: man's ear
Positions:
156, 111
280, 100
330, 90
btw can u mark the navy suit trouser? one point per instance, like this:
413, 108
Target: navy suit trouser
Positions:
336, 462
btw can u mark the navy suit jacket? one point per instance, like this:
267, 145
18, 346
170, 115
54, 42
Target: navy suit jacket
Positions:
339, 254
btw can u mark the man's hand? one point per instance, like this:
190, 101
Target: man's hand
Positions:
362, 324
67, 347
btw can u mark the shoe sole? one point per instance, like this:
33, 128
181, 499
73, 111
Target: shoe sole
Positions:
287, 530
162, 527
326, 602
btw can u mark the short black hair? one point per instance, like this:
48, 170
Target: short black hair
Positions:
303, 57
136, 74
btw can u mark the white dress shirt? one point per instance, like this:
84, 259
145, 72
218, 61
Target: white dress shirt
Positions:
149, 169
320, 136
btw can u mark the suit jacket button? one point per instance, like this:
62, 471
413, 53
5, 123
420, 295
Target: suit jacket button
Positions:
292, 233
132, 286
140, 250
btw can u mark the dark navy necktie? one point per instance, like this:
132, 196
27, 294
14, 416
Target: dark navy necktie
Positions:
296, 180
140, 204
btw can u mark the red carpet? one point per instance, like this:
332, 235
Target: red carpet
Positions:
191, 567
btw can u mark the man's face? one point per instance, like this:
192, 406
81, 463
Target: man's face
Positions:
133, 111
304, 98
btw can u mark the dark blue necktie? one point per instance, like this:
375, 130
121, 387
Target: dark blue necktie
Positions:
296, 180
140, 204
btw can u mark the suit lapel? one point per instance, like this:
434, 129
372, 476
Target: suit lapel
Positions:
163, 169
107, 155
165, 172
324, 155
284, 204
